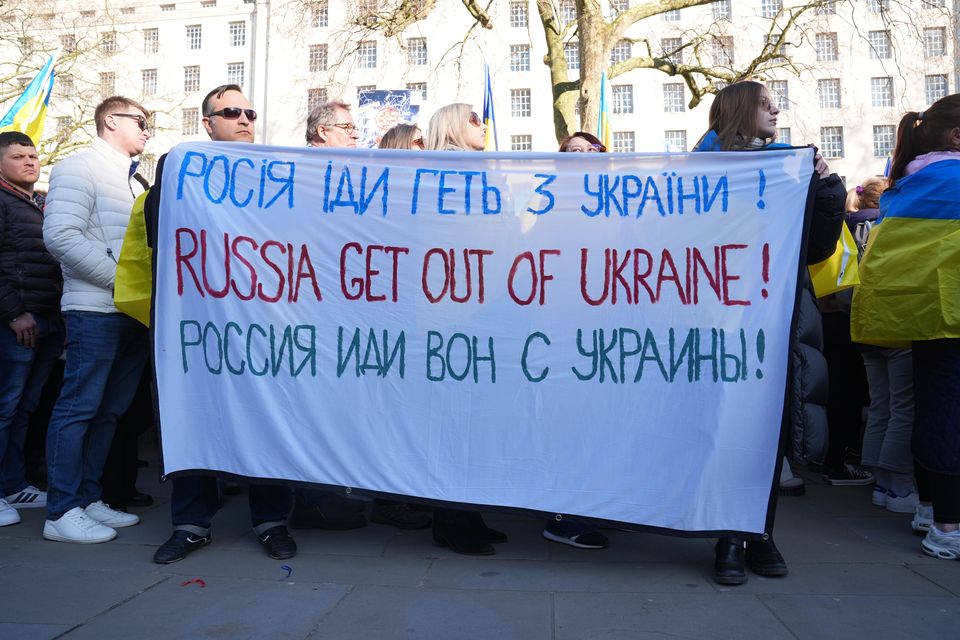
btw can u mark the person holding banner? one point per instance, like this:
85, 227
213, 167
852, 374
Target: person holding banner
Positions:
909, 295
457, 127
227, 117
743, 117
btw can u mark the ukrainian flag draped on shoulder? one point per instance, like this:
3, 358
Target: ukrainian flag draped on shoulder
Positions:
29, 111
133, 284
910, 272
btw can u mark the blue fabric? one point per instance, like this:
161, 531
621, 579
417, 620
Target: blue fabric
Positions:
106, 353
931, 193
711, 142
196, 499
25, 371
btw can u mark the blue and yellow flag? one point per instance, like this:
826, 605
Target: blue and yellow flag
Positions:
603, 121
28, 112
489, 119
910, 272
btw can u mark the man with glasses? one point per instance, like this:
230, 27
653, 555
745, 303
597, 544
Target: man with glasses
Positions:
87, 210
227, 117
331, 125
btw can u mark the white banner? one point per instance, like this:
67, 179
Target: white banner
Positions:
595, 334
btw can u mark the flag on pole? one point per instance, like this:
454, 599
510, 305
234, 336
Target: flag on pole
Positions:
28, 112
603, 121
886, 169
490, 144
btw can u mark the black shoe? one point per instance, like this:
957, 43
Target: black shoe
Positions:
335, 503
178, 546
463, 539
400, 515
728, 564
137, 500
278, 543
312, 517
764, 559
231, 488
486, 533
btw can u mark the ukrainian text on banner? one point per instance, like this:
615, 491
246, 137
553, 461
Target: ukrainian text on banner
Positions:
596, 334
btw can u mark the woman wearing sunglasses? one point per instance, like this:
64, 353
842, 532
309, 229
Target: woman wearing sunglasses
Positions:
402, 136
456, 127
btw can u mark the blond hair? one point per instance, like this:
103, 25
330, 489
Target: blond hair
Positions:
865, 195
448, 126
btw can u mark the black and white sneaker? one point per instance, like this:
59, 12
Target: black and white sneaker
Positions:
179, 545
849, 474
28, 498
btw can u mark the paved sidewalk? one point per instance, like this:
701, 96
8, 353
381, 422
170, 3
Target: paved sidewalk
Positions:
856, 571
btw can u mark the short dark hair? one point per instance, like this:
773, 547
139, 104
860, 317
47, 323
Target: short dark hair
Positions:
217, 93
589, 137
115, 102
8, 138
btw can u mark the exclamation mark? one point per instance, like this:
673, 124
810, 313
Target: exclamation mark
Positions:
766, 268
761, 346
763, 185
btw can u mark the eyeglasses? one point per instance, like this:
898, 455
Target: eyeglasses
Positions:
232, 113
475, 119
593, 148
349, 127
767, 105
141, 121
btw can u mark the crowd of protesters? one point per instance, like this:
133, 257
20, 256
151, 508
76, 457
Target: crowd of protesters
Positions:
58, 261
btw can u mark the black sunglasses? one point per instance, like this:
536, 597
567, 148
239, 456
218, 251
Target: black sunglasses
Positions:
475, 119
141, 121
232, 113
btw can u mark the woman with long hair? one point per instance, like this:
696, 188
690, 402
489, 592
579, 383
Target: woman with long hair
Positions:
402, 136
910, 293
743, 117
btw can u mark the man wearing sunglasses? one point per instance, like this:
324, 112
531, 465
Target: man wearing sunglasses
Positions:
87, 210
331, 125
196, 499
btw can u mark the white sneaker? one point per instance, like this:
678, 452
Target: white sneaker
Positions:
922, 518
902, 504
110, 517
28, 498
8, 515
879, 498
76, 526
941, 545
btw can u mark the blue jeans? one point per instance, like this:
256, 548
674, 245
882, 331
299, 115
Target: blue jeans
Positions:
196, 499
106, 353
25, 371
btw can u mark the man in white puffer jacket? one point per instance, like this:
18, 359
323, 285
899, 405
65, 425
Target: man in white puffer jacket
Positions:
88, 207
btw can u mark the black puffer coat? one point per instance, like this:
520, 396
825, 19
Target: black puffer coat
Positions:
30, 277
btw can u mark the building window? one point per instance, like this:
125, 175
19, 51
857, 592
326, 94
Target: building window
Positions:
108, 84
881, 92
523, 142
365, 87
878, 6
673, 98
831, 142
191, 79
417, 51
778, 52
624, 141
622, 98
367, 55
933, 4
65, 85
621, 51
568, 11
675, 140
238, 34
770, 8
519, 57
618, 6
721, 50
783, 135
571, 51
151, 40
518, 13
780, 93
722, 9
935, 42
884, 136
69, 43
235, 73
828, 93
149, 77
318, 58
827, 8
879, 44
190, 121
319, 14
826, 45
194, 36
520, 103
672, 49
673, 15
126, 10
108, 42
64, 123
935, 87
208, 4
315, 97
166, 8
419, 86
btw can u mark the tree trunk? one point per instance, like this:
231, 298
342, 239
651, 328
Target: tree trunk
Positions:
564, 91
592, 33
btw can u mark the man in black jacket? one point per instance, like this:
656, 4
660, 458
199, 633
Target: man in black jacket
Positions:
31, 338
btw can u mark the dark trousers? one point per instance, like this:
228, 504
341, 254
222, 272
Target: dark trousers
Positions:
848, 388
119, 478
196, 500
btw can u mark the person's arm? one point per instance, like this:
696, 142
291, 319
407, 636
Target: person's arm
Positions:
70, 205
827, 220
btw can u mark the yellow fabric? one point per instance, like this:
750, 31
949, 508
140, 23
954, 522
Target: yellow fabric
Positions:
839, 271
134, 282
910, 283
